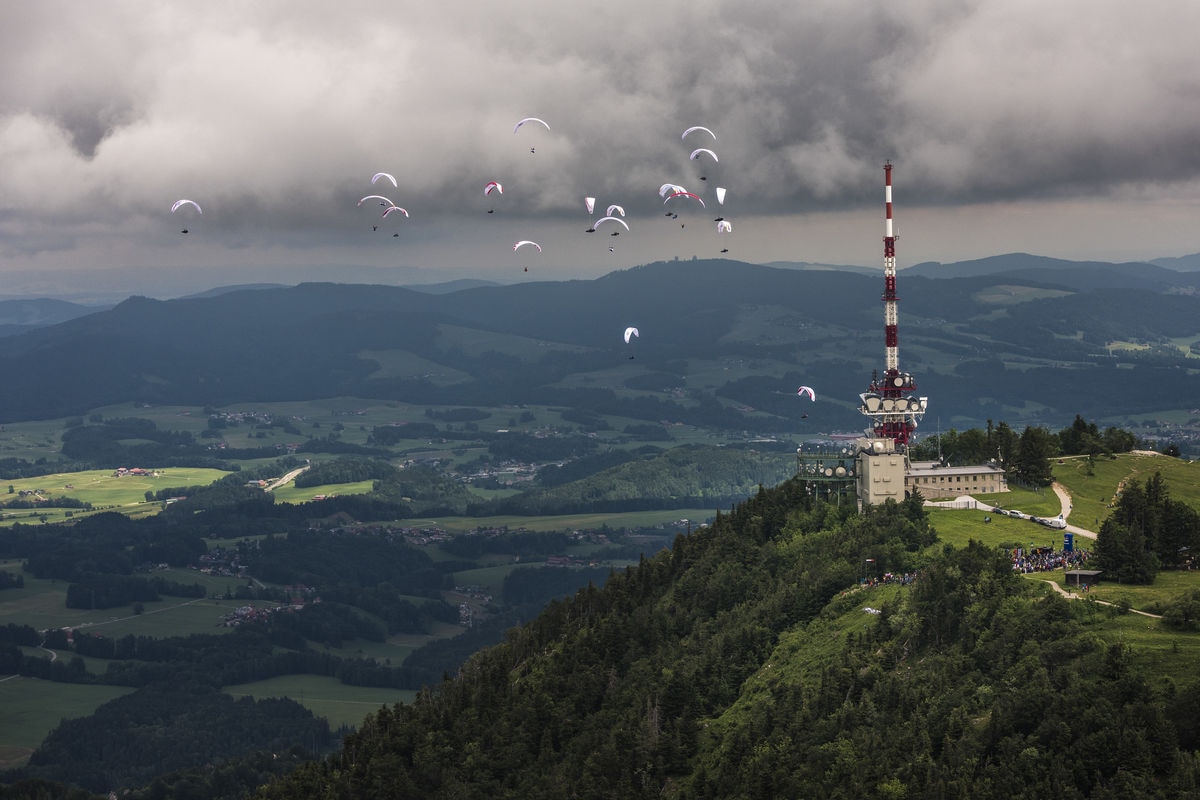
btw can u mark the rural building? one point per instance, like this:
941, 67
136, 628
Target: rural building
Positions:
934, 481
1083, 577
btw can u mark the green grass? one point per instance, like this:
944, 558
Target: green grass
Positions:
1094, 486
32, 708
1010, 295
325, 697
1170, 654
102, 488
292, 494
41, 604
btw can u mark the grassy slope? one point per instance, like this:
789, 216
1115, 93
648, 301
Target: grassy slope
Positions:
1172, 655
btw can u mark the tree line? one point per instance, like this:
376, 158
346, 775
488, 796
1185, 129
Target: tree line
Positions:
740, 663
1026, 456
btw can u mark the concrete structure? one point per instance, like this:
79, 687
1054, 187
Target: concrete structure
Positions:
936, 482
882, 466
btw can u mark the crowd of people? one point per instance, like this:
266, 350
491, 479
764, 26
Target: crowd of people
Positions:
1044, 559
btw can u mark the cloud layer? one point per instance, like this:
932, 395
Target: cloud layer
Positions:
274, 115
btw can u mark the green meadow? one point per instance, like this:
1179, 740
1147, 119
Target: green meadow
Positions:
105, 490
325, 697
33, 707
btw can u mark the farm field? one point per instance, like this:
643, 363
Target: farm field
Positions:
325, 697
41, 604
105, 490
34, 707
290, 493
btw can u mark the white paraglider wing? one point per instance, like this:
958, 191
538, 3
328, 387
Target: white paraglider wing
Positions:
491, 186
524, 242
378, 197
807, 390
517, 127
390, 209
590, 202
699, 151
613, 219
724, 226
695, 128
185, 202
615, 208
667, 188
630, 333
390, 177
720, 195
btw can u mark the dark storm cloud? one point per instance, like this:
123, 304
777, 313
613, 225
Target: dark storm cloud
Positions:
277, 113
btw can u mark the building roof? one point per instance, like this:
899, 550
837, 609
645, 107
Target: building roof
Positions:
933, 468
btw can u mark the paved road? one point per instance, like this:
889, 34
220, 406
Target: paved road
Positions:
286, 479
1064, 497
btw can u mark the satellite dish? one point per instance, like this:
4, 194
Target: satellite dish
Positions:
898, 381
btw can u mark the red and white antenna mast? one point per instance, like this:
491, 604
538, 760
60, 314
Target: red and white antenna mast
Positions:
890, 403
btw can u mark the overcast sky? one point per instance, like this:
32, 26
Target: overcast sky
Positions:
1065, 128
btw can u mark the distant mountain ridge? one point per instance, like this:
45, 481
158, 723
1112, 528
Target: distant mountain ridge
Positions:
1031, 343
20, 315
1081, 274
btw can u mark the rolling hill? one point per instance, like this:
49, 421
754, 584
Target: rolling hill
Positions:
725, 340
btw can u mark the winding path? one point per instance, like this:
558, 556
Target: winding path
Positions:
1064, 498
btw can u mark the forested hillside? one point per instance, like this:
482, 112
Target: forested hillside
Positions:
722, 345
738, 665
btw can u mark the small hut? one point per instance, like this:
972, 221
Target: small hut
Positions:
1083, 577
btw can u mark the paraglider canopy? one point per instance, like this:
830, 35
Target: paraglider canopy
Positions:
631, 332
524, 242
695, 197
699, 151
803, 390
379, 175
610, 219
178, 204
590, 203
491, 186
517, 127
695, 128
